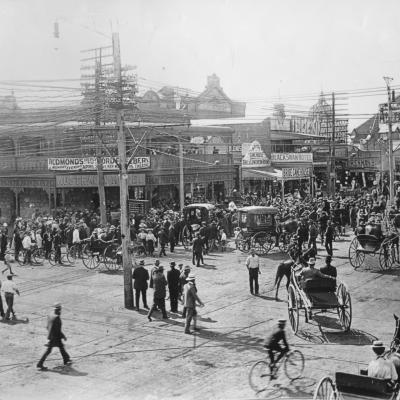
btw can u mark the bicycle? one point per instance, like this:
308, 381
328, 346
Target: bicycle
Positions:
260, 373
37, 256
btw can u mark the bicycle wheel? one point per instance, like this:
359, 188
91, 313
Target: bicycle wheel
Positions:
52, 258
112, 259
259, 376
21, 257
73, 253
294, 364
38, 256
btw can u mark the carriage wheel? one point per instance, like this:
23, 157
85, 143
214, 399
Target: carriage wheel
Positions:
344, 310
111, 258
325, 390
284, 241
21, 257
259, 376
293, 309
91, 260
52, 258
73, 253
385, 256
262, 243
356, 256
294, 364
242, 243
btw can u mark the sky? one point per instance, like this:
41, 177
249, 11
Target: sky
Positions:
263, 51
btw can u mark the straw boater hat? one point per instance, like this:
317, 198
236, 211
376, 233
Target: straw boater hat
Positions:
311, 261
191, 277
377, 344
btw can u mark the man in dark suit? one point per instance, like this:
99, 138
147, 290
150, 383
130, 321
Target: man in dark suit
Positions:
55, 338
140, 276
197, 251
173, 286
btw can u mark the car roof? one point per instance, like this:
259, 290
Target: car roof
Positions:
259, 210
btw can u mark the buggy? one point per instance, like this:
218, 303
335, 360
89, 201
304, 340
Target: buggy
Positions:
317, 296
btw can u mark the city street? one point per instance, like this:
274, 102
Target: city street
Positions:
119, 354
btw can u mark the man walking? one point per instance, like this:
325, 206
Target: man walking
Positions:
329, 238
190, 298
197, 251
9, 288
253, 266
159, 284
140, 276
55, 337
173, 286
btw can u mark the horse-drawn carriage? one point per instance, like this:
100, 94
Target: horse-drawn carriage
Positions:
318, 295
194, 215
360, 386
257, 229
375, 242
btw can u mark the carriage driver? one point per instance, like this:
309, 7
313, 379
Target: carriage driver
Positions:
380, 367
272, 345
311, 272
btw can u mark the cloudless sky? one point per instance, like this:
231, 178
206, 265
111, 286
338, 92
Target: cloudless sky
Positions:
259, 48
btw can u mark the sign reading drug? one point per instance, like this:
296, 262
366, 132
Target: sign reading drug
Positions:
255, 156
90, 164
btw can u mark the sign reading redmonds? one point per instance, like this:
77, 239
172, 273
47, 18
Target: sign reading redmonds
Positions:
292, 157
296, 172
90, 164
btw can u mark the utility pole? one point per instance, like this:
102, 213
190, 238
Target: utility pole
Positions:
390, 142
123, 176
99, 155
333, 156
181, 180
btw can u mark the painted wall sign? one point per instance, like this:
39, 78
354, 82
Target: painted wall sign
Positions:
255, 157
296, 172
92, 180
90, 164
292, 157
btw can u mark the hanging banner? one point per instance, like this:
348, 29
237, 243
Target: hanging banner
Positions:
90, 164
292, 157
299, 173
254, 156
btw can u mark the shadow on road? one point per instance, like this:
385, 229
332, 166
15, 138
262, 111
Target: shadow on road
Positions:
297, 389
67, 370
16, 321
354, 337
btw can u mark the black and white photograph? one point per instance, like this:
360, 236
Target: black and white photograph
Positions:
199, 199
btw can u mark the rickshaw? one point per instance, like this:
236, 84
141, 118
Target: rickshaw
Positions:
193, 216
257, 229
318, 295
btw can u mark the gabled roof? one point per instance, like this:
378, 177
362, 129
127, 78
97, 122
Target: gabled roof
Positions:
369, 127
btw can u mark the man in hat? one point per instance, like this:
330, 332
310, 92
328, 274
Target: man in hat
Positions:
159, 284
329, 269
253, 266
311, 272
153, 271
55, 338
182, 282
380, 367
272, 344
27, 246
173, 286
9, 288
140, 276
197, 249
190, 299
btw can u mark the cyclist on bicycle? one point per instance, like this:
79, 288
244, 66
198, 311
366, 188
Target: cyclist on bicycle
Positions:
272, 344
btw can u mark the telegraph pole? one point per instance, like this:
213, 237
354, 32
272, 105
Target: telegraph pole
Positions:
99, 155
123, 176
333, 156
390, 142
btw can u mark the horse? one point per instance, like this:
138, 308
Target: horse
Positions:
285, 269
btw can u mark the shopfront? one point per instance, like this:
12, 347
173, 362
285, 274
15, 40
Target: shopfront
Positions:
81, 191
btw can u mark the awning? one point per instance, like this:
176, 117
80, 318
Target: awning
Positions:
264, 173
272, 173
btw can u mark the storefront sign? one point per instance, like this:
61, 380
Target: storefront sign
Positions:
90, 164
255, 157
319, 126
26, 183
292, 157
299, 173
365, 161
92, 180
